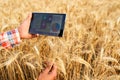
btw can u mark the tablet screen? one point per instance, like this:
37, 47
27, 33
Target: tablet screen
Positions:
47, 24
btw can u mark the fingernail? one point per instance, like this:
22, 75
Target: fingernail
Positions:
37, 34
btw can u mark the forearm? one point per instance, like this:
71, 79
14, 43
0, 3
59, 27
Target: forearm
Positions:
10, 38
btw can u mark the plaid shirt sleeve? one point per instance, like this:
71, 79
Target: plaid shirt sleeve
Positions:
10, 38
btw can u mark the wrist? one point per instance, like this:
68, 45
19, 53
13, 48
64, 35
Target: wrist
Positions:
20, 33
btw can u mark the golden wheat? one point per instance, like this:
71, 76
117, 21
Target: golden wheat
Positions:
88, 50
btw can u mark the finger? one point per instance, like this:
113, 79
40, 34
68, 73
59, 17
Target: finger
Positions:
48, 63
53, 70
48, 68
53, 73
30, 16
37, 35
33, 35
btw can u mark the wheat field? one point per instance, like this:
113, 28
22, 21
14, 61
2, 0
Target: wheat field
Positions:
88, 50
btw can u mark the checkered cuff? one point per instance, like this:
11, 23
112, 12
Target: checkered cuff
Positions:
10, 38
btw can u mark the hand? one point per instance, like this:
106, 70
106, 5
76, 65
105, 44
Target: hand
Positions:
24, 28
49, 73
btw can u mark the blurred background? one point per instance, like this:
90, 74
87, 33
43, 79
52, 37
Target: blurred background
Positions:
88, 50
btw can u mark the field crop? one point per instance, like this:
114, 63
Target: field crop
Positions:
88, 50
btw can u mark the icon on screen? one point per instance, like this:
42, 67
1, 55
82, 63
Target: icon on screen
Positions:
49, 19
43, 25
55, 27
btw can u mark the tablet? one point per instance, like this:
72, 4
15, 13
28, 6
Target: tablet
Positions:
51, 24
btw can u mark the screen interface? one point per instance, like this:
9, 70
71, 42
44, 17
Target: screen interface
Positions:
47, 24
